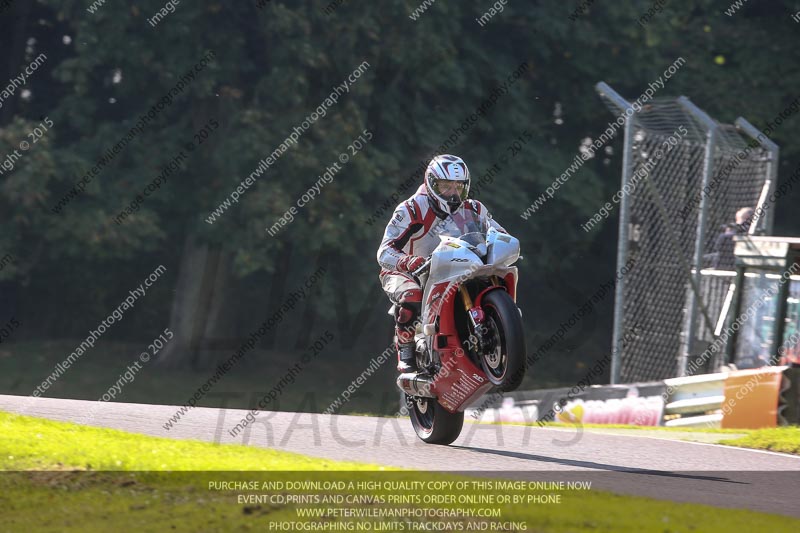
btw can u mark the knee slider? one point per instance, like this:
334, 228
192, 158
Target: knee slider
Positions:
406, 313
411, 296
409, 306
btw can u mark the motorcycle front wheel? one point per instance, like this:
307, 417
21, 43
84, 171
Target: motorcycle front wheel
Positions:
433, 423
503, 360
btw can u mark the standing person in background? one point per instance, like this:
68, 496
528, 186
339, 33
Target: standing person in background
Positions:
723, 258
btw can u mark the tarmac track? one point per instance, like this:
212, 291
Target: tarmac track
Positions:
636, 465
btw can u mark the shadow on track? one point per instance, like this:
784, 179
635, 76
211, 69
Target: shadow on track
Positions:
597, 466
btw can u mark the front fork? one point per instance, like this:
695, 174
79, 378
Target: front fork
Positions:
476, 315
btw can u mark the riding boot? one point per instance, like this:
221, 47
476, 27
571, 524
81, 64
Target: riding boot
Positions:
406, 351
407, 358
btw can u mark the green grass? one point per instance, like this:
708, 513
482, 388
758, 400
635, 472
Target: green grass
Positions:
33, 443
782, 439
129, 488
626, 426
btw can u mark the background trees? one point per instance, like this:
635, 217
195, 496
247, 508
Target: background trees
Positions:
273, 65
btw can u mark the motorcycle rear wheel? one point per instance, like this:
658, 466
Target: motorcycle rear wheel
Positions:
433, 423
504, 364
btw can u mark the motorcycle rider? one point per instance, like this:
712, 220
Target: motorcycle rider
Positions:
438, 207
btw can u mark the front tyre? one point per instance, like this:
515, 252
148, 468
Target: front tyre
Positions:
503, 359
433, 423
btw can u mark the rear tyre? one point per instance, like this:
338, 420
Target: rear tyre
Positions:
503, 361
433, 423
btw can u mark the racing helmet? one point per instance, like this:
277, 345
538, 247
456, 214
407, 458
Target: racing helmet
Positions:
447, 182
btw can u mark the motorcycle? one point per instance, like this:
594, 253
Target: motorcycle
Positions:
469, 338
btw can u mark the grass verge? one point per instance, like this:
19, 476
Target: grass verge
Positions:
125, 481
626, 426
785, 439
30, 443
782, 439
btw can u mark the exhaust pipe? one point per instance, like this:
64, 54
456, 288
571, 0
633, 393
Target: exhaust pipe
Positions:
414, 384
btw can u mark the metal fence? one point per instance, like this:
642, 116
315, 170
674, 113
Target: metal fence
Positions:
679, 235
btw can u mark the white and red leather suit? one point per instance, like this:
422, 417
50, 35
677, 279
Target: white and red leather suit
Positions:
414, 229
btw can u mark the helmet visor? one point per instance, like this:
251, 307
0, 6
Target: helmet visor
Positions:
451, 190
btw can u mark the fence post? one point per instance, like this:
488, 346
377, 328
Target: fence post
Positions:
624, 221
702, 218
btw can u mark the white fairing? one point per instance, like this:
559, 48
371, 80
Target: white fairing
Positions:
503, 248
452, 258
455, 260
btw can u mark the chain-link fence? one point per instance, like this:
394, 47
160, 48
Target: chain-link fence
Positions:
687, 177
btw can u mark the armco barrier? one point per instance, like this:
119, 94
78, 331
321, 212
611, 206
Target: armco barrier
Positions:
695, 400
764, 397
738, 399
752, 398
636, 403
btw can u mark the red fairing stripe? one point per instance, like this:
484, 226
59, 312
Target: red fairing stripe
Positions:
511, 285
443, 307
427, 222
